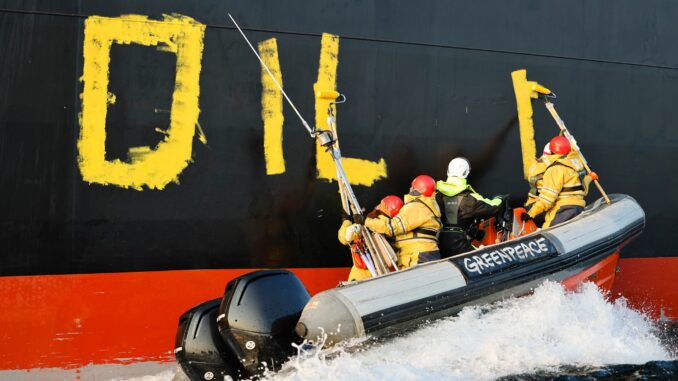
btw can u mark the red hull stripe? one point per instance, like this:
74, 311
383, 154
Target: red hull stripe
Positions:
68, 321
602, 274
650, 285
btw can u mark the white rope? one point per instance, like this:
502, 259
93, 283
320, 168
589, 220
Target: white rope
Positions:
309, 129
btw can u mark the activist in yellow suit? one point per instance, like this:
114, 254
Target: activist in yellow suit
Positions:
358, 271
563, 187
416, 227
389, 206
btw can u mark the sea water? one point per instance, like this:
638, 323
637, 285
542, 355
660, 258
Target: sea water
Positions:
549, 333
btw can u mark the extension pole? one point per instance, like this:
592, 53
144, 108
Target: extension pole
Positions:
573, 142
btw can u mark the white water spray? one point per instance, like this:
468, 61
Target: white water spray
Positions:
548, 329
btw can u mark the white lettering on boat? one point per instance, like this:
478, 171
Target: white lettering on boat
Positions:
501, 258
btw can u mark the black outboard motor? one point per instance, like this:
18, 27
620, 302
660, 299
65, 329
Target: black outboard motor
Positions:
249, 331
199, 348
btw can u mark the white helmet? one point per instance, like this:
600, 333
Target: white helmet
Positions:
458, 167
547, 149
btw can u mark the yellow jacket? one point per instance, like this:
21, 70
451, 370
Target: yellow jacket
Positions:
535, 175
415, 229
356, 273
561, 185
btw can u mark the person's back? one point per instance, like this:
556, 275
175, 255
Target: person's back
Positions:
415, 229
461, 206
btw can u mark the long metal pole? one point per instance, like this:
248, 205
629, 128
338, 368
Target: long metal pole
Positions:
344, 185
568, 135
352, 207
342, 177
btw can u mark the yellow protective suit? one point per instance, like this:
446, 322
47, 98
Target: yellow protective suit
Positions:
535, 175
356, 273
415, 228
562, 185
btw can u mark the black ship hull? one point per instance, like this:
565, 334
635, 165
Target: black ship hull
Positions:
141, 151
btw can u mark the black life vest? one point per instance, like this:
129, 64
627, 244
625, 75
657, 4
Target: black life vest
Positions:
451, 209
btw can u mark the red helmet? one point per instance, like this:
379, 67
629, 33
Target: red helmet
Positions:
424, 184
391, 205
560, 145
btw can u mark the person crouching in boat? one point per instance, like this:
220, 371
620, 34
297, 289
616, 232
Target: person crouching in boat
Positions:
388, 207
564, 185
461, 205
416, 227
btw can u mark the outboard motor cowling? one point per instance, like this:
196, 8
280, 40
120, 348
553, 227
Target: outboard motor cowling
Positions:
249, 330
199, 348
257, 317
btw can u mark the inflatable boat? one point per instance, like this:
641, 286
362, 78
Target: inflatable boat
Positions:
252, 328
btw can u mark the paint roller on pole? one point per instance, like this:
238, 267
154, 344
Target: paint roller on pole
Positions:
547, 94
382, 254
364, 247
324, 137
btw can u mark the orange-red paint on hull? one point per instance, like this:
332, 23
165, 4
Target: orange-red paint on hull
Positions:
650, 285
602, 274
68, 321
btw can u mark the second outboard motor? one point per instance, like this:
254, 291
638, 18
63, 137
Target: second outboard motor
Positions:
250, 330
199, 349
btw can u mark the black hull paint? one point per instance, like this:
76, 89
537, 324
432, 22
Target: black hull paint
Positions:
425, 82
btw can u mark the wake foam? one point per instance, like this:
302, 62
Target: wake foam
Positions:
548, 330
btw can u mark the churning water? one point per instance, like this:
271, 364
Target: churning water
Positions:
549, 333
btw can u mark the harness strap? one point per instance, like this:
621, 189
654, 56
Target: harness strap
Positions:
425, 233
454, 229
419, 238
573, 188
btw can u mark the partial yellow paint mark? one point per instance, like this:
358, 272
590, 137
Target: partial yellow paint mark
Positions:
157, 167
158, 130
359, 171
138, 153
272, 108
201, 134
524, 94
